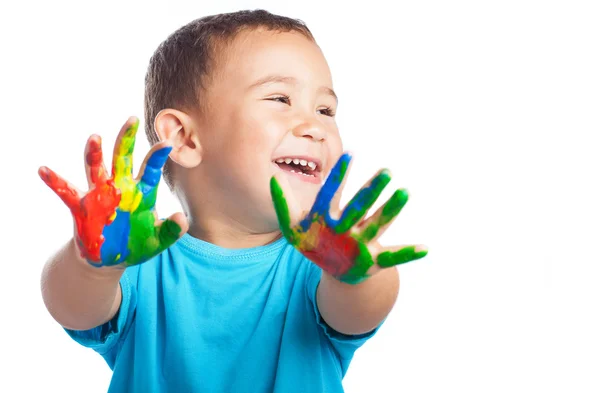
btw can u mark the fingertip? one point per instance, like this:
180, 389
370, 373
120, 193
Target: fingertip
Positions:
276, 189
43, 172
386, 172
400, 197
421, 250
165, 143
346, 158
167, 147
132, 125
159, 157
132, 120
347, 154
95, 137
182, 221
173, 228
276, 179
93, 151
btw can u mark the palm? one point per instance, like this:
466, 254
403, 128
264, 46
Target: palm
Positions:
115, 220
343, 247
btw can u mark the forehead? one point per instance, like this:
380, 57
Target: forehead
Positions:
256, 53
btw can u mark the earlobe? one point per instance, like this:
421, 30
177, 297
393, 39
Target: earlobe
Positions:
179, 129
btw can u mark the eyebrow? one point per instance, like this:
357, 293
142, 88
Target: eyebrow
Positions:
289, 80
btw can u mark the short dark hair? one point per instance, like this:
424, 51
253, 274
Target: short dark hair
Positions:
181, 63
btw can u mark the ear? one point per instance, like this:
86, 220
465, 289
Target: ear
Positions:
179, 129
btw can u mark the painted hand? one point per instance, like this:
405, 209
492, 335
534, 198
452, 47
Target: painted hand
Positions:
345, 247
115, 221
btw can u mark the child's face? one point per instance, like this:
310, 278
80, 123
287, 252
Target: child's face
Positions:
270, 99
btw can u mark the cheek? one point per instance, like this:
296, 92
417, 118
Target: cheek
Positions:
335, 143
306, 196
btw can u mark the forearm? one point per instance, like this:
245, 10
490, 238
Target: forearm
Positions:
357, 309
77, 295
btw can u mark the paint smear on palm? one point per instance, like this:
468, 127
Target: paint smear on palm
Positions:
332, 244
115, 220
133, 237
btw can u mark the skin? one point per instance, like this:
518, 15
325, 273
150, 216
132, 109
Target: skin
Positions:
115, 226
270, 90
220, 171
115, 221
331, 243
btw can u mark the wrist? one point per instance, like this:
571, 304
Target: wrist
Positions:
86, 269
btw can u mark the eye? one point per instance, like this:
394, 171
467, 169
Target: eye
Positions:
327, 112
282, 98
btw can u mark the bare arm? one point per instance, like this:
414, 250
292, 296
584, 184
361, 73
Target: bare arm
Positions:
77, 295
359, 283
357, 309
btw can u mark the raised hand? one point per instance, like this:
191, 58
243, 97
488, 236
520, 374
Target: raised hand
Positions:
115, 221
345, 247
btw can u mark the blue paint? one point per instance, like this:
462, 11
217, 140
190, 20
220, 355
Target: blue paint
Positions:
116, 237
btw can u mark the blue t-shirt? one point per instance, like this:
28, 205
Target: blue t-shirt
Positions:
201, 318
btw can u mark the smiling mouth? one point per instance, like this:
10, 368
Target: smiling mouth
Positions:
301, 165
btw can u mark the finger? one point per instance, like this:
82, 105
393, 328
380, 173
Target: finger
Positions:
148, 237
170, 230
334, 205
285, 216
151, 171
362, 201
65, 190
399, 255
376, 225
94, 163
330, 188
122, 167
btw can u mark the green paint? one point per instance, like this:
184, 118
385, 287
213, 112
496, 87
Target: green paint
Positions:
368, 233
147, 240
142, 237
148, 200
329, 243
393, 206
123, 161
343, 170
363, 263
362, 202
168, 233
282, 210
404, 255
390, 210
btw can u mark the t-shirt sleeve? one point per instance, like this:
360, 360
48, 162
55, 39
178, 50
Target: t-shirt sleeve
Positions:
345, 345
105, 338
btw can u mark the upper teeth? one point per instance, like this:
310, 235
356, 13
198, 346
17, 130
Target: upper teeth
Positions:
297, 161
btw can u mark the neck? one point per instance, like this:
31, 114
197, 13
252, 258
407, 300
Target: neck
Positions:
209, 223
228, 235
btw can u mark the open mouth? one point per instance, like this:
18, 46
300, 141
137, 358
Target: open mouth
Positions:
305, 166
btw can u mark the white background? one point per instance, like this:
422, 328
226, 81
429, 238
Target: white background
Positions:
487, 111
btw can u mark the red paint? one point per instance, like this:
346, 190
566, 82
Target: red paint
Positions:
93, 158
92, 212
335, 253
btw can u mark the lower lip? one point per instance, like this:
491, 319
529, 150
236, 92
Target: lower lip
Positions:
305, 178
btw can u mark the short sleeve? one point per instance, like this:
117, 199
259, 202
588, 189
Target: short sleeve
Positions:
345, 345
105, 338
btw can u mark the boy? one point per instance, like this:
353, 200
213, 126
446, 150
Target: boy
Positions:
217, 300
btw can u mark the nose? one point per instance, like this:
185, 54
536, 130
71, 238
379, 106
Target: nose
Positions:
310, 129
